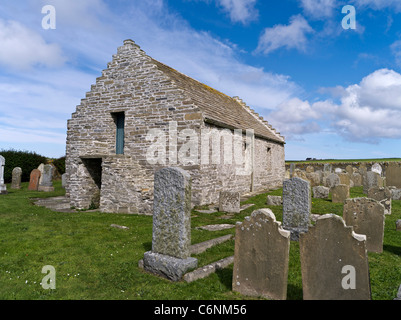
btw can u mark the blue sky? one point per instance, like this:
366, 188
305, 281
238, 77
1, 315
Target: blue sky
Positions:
332, 92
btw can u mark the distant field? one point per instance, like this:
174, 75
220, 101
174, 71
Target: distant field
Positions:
343, 160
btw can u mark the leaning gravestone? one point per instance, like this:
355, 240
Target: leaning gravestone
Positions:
229, 202
34, 180
171, 240
383, 195
334, 261
366, 216
16, 178
46, 182
296, 206
261, 256
3, 187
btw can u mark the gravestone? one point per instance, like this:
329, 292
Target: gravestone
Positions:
40, 168
371, 179
63, 180
366, 216
296, 206
16, 178
332, 180
3, 187
334, 261
46, 182
321, 192
383, 195
357, 179
229, 202
393, 174
340, 193
171, 238
395, 194
344, 178
261, 256
292, 169
398, 225
34, 180
349, 169
313, 178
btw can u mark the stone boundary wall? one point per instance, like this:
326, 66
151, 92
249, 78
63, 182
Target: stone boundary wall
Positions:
342, 165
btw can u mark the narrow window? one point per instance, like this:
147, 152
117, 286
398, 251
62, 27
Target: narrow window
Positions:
119, 119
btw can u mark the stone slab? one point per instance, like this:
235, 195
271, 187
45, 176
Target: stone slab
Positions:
167, 266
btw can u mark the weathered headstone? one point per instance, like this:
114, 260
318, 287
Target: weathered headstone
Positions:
229, 202
372, 179
63, 180
292, 169
171, 239
296, 206
261, 256
340, 193
332, 180
395, 194
344, 178
274, 200
383, 195
309, 169
357, 179
40, 168
366, 216
321, 192
313, 178
46, 183
393, 174
349, 169
34, 180
338, 170
16, 178
3, 187
334, 261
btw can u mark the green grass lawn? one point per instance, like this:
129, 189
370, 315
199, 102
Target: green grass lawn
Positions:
95, 261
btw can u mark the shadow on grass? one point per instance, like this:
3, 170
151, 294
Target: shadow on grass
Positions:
392, 249
225, 276
147, 245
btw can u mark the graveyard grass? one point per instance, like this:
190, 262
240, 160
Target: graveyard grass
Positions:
96, 261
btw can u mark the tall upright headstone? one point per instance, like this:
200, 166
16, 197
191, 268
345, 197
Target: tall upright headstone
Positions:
261, 256
46, 182
366, 216
171, 239
334, 261
297, 203
16, 178
34, 180
3, 187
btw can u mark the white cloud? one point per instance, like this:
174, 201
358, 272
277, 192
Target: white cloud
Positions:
367, 112
292, 36
21, 48
240, 10
318, 9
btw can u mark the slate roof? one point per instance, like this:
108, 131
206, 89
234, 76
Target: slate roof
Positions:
220, 109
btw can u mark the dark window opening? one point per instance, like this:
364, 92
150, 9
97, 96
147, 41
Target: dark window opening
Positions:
119, 120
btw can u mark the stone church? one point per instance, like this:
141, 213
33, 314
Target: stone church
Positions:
142, 115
